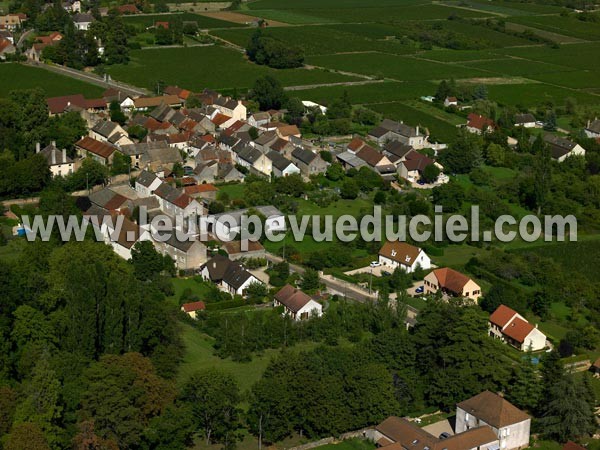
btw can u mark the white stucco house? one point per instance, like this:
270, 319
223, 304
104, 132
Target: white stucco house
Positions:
400, 254
511, 327
510, 424
297, 304
230, 276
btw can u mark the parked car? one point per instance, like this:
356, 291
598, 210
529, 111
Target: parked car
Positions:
419, 290
385, 272
375, 263
445, 435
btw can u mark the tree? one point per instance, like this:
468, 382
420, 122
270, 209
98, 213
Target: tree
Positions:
443, 91
349, 189
310, 280
339, 108
273, 52
495, 154
8, 405
450, 196
542, 177
464, 154
213, 396
295, 112
550, 121
148, 263
26, 436
121, 164
116, 115
335, 172
430, 173
257, 292
525, 389
569, 411
269, 93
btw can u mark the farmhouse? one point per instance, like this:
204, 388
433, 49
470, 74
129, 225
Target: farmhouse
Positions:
395, 433
562, 148
229, 275
390, 130
510, 425
192, 309
412, 166
58, 161
451, 282
97, 150
479, 124
308, 162
510, 327
525, 120
297, 304
400, 254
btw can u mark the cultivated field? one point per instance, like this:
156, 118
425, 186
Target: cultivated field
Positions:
141, 22
17, 76
217, 67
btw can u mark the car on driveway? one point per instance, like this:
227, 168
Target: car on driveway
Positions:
375, 264
445, 435
419, 290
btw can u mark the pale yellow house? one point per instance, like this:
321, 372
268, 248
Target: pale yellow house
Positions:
451, 282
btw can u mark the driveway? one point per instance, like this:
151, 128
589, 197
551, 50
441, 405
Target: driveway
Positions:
377, 271
443, 426
412, 290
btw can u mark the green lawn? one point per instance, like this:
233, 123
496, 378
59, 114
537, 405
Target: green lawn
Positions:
17, 76
351, 444
214, 66
235, 191
199, 354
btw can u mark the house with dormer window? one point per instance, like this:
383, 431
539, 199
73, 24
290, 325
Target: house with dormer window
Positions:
407, 257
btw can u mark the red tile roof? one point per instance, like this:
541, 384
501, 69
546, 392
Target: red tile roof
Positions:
199, 188
93, 146
4, 43
57, 105
451, 279
95, 103
220, 119
165, 25
194, 306
356, 144
502, 315
518, 329
183, 201
480, 122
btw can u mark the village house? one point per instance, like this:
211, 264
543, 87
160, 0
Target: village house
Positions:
409, 258
12, 22
525, 120
561, 148
83, 21
479, 124
73, 6
451, 282
176, 203
111, 201
259, 119
309, 162
254, 159
147, 103
192, 309
510, 425
160, 158
252, 249
281, 166
412, 166
227, 106
6, 48
205, 191
146, 183
110, 132
116, 230
285, 131
511, 327
97, 150
396, 151
77, 102
229, 276
396, 433
297, 304
592, 130
183, 94
59, 163
390, 130
186, 253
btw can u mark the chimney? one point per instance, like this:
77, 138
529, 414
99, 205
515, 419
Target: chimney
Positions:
53, 143
53, 152
37, 147
64, 156
417, 130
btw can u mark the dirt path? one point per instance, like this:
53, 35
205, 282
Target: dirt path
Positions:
341, 83
244, 19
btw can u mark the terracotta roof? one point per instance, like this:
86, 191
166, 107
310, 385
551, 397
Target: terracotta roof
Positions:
183, 201
165, 25
371, 156
194, 306
152, 124
176, 90
502, 315
95, 103
131, 9
4, 44
480, 122
292, 298
518, 329
451, 279
493, 410
98, 148
220, 119
400, 252
57, 105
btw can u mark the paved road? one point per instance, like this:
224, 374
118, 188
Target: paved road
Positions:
91, 78
341, 287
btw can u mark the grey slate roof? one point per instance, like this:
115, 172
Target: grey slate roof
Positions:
303, 155
105, 128
524, 118
146, 178
279, 161
249, 154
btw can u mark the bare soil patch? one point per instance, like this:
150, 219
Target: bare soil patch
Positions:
236, 17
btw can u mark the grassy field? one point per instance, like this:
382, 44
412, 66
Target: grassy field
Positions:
569, 26
145, 21
352, 444
17, 76
507, 8
581, 56
215, 67
518, 67
536, 94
